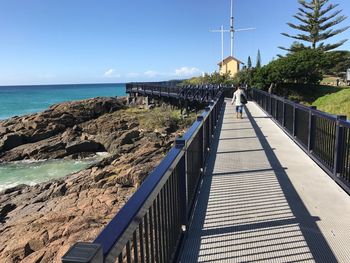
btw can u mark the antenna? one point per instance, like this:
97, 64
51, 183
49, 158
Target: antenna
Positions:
221, 30
233, 30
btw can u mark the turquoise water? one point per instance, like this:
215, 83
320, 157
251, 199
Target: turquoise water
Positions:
20, 100
31, 173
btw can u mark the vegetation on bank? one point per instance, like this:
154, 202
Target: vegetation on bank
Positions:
160, 117
214, 78
335, 103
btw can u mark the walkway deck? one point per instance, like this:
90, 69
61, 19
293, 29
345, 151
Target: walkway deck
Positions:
264, 200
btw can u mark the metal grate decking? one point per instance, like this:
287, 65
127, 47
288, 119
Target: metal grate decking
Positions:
263, 200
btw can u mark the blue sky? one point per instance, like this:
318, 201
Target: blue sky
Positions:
90, 41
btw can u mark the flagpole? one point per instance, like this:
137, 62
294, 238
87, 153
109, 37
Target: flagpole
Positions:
222, 46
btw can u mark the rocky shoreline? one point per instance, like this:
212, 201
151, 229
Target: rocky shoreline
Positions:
39, 223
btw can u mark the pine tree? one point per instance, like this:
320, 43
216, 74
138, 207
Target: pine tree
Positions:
258, 60
249, 63
316, 25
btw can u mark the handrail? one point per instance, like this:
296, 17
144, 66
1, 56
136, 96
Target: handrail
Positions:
138, 204
154, 220
300, 106
323, 136
200, 93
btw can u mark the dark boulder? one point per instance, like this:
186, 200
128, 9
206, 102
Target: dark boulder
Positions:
129, 137
10, 141
6, 209
83, 146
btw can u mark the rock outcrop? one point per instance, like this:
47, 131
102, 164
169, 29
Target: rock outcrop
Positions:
42, 134
39, 223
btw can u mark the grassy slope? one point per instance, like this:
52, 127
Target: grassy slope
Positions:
307, 94
335, 103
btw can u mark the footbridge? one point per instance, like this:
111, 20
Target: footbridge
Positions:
271, 187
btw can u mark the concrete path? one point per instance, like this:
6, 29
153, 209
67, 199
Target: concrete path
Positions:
264, 200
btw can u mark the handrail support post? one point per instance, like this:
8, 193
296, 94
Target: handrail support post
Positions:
183, 182
294, 121
338, 151
311, 129
283, 112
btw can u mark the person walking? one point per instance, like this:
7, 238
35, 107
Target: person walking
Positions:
240, 99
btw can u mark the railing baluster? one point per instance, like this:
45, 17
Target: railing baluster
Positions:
147, 237
156, 230
160, 229
120, 258
171, 211
142, 251
164, 224
168, 218
152, 235
136, 254
128, 252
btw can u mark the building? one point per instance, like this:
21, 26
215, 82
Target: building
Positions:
229, 65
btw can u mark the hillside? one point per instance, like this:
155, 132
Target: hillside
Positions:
335, 103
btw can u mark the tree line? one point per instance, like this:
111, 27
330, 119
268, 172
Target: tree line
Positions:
309, 57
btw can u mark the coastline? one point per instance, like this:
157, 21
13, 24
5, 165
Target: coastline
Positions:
39, 223
30, 99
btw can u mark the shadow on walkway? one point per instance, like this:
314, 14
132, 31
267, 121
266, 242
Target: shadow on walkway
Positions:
315, 240
247, 209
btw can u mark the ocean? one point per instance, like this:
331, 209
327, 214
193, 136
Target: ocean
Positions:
20, 100
33, 172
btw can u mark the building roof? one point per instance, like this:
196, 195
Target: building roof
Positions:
228, 59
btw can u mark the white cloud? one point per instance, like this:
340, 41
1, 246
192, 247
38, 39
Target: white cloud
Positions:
111, 73
152, 73
186, 71
133, 75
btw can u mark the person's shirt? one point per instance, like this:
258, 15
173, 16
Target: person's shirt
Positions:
237, 97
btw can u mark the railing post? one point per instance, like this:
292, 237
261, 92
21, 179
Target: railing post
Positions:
311, 132
209, 124
283, 112
203, 151
276, 106
180, 143
339, 144
83, 252
212, 119
294, 120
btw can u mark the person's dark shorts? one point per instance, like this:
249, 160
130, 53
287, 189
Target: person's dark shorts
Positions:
239, 109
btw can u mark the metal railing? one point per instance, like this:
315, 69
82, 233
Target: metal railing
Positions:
150, 226
324, 137
201, 93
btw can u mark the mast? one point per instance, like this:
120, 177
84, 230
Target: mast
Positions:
222, 46
232, 31
231, 28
